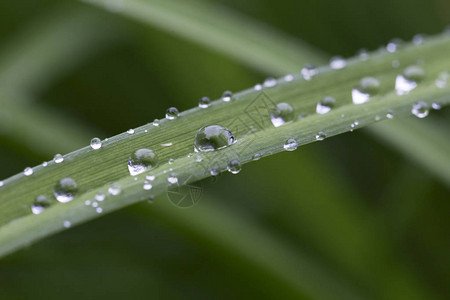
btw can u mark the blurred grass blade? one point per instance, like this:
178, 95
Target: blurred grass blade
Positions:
262, 48
247, 115
215, 27
49, 47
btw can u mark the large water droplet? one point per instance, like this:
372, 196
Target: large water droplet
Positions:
172, 113
234, 166
420, 109
368, 87
337, 63
96, 143
40, 204
65, 190
58, 158
226, 96
290, 145
28, 171
281, 114
204, 102
141, 160
325, 105
213, 137
408, 80
309, 71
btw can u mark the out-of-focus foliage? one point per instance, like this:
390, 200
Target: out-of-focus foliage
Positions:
349, 208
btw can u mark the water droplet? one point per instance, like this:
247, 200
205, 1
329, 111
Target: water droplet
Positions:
420, 109
442, 80
58, 158
204, 102
368, 87
198, 158
354, 125
87, 202
1, 183
309, 71
167, 144
213, 137
172, 113
156, 122
96, 143
377, 118
437, 105
418, 39
94, 204
150, 177
363, 54
65, 190
114, 189
40, 204
99, 197
270, 82
67, 224
288, 78
147, 185
99, 210
337, 63
130, 131
320, 136
256, 156
394, 45
258, 87
290, 145
172, 179
141, 160
28, 171
281, 114
390, 114
408, 80
171, 161
234, 166
226, 96
44, 164
325, 105
214, 171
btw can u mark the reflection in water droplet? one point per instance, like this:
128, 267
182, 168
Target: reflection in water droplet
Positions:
234, 166
408, 80
172, 113
325, 105
281, 114
226, 96
290, 145
141, 160
212, 138
65, 190
58, 158
156, 122
204, 102
40, 204
420, 109
368, 87
96, 143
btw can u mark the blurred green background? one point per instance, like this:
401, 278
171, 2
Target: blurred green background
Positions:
347, 217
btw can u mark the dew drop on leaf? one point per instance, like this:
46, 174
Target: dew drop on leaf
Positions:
325, 105
420, 109
290, 145
212, 138
281, 114
141, 160
234, 166
65, 190
96, 143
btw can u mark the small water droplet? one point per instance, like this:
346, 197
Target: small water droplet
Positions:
204, 102
141, 160
150, 177
408, 80
281, 114
40, 204
212, 138
96, 143
100, 197
442, 80
1, 183
28, 171
58, 158
418, 39
147, 186
67, 224
337, 63
377, 118
270, 82
368, 87
256, 156
114, 189
420, 109
363, 54
390, 114
87, 202
171, 161
172, 179
309, 71
214, 171
44, 164
290, 145
172, 113
234, 166
94, 204
437, 105
325, 105
394, 45
130, 131
258, 87
156, 122
288, 78
320, 136
99, 210
226, 96
198, 158
65, 190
